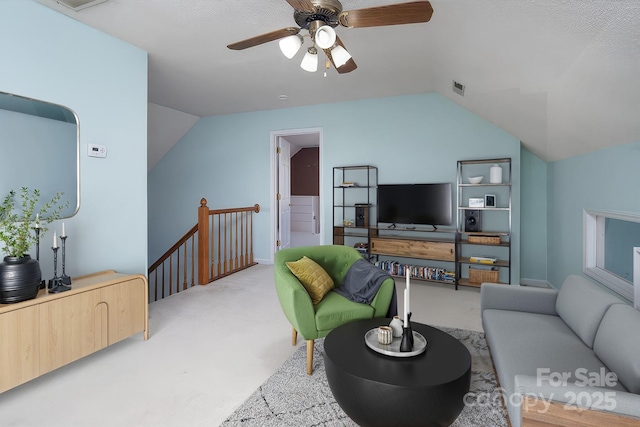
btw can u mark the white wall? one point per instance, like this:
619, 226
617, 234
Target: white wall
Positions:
48, 56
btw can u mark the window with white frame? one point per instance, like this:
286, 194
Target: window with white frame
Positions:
636, 277
611, 240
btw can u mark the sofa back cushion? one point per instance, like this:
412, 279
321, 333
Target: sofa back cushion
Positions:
581, 305
617, 344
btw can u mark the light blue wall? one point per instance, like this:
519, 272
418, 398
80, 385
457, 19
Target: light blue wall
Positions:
533, 218
602, 180
48, 56
226, 159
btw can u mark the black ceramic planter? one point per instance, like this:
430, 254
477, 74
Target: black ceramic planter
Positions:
19, 279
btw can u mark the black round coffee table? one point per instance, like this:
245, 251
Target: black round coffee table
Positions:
378, 390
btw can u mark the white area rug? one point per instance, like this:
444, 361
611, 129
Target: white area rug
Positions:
290, 397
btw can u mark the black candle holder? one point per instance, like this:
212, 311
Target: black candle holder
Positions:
66, 280
407, 337
43, 283
408, 326
55, 284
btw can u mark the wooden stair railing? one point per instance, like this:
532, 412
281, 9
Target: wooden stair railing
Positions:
161, 273
229, 247
225, 246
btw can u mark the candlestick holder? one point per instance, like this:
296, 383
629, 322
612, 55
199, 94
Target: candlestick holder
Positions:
43, 283
55, 284
66, 280
407, 338
408, 326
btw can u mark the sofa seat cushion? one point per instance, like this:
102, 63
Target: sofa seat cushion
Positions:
617, 343
582, 304
521, 343
335, 310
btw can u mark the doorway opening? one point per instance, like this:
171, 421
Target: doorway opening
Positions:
296, 192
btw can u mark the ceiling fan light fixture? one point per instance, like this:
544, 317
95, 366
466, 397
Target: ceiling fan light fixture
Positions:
325, 37
289, 46
340, 56
310, 61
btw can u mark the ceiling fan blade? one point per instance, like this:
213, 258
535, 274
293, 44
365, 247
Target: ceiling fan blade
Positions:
264, 38
393, 14
347, 67
305, 5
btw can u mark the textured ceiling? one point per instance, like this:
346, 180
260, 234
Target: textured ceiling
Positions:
562, 75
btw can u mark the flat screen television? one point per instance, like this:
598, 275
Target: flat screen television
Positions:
419, 204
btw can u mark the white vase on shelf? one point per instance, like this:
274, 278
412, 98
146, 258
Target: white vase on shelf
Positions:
495, 174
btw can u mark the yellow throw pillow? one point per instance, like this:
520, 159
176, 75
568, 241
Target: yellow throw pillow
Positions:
313, 277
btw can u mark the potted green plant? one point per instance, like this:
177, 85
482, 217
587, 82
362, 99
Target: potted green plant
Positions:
20, 275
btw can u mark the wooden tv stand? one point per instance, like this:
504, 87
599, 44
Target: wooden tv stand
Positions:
420, 244
52, 330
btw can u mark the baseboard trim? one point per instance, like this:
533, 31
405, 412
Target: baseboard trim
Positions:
535, 283
263, 261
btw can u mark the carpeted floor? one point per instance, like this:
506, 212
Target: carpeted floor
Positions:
290, 397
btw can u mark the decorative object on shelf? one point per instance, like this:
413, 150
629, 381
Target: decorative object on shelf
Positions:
20, 279
472, 220
485, 240
478, 275
347, 223
66, 280
475, 179
476, 202
396, 326
55, 284
362, 215
36, 229
385, 335
348, 184
483, 259
489, 200
495, 174
18, 237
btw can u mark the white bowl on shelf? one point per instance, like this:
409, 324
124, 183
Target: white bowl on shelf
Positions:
475, 179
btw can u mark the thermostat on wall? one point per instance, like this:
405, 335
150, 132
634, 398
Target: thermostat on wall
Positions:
95, 150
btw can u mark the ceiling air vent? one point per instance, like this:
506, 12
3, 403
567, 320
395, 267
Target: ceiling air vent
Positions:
458, 88
78, 5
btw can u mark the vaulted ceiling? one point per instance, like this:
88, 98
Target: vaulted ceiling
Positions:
563, 76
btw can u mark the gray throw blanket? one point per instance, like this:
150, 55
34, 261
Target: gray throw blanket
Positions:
362, 282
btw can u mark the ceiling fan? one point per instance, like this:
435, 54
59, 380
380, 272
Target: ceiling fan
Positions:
320, 17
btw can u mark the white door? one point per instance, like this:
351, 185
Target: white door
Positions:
284, 194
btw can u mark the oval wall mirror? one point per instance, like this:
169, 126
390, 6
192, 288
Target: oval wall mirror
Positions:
40, 149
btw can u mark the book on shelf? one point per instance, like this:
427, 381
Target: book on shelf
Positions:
483, 259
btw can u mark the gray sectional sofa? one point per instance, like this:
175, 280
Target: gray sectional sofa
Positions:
576, 347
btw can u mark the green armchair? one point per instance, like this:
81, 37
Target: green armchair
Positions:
316, 321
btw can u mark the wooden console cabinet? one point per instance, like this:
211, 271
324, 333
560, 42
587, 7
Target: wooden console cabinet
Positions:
52, 330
